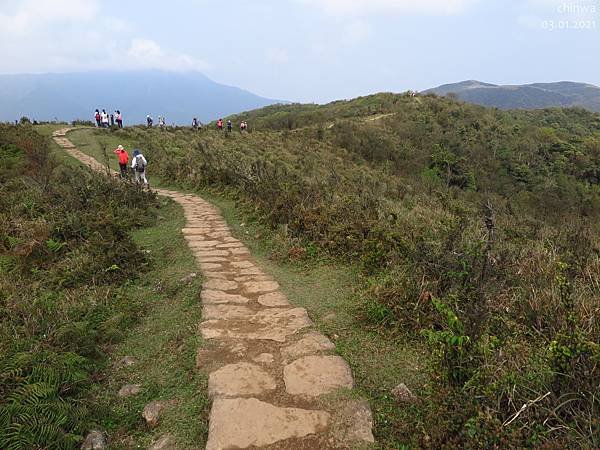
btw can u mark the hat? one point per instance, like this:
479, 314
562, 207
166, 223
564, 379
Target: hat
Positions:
120, 147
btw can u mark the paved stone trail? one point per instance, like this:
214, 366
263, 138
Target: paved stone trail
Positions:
270, 371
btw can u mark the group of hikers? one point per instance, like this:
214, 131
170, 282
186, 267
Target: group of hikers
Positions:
105, 120
243, 125
138, 164
162, 122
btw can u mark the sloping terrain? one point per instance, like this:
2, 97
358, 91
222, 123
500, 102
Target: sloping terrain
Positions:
529, 96
267, 366
177, 96
473, 233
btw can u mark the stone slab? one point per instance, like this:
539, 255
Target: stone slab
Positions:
317, 375
240, 379
243, 423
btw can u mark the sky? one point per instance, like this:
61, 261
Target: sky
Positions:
310, 50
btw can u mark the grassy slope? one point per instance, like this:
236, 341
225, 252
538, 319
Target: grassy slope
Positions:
164, 343
403, 194
329, 293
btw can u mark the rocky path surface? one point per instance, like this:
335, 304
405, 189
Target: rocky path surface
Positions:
275, 382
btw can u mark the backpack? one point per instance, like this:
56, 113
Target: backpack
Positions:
139, 164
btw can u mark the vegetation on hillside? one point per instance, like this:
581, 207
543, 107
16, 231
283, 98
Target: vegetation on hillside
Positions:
477, 231
67, 260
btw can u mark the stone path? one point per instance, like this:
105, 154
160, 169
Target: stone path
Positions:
273, 378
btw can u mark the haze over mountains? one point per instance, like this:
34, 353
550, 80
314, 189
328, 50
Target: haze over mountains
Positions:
177, 96
528, 96
180, 96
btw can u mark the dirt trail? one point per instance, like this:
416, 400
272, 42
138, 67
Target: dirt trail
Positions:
275, 382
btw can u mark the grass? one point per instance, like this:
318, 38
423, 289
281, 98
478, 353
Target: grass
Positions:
48, 128
164, 345
330, 295
101, 143
473, 231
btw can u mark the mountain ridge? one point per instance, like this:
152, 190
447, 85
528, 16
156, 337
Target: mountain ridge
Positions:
563, 94
178, 96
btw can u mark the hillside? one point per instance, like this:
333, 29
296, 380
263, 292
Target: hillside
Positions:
177, 96
530, 96
472, 233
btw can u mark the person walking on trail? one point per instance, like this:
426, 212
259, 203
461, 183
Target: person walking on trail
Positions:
220, 124
149, 121
98, 118
195, 123
119, 119
123, 160
104, 117
112, 120
138, 164
161, 122
229, 126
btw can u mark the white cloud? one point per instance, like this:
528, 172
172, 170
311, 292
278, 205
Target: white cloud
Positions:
145, 53
70, 35
29, 15
363, 7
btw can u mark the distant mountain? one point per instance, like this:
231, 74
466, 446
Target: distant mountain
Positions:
528, 96
177, 96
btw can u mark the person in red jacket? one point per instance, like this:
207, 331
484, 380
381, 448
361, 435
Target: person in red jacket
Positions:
123, 160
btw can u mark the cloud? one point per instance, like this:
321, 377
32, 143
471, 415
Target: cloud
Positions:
72, 35
363, 7
145, 53
28, 15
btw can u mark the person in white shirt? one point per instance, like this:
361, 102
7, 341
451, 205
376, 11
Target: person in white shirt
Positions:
119, 118
138, 164
104, 119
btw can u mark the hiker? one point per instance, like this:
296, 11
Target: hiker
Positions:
195, 123
97, 117
119, 119
123, 160
149, 121
220, 124
161, 121
112, 120
229, 126
104, 118
138, 164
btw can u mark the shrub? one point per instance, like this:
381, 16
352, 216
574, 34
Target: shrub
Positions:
66, 254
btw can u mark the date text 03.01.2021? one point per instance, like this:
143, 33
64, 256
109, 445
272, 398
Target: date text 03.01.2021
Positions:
552, 25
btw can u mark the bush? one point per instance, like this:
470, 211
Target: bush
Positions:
66, 256
460, 218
